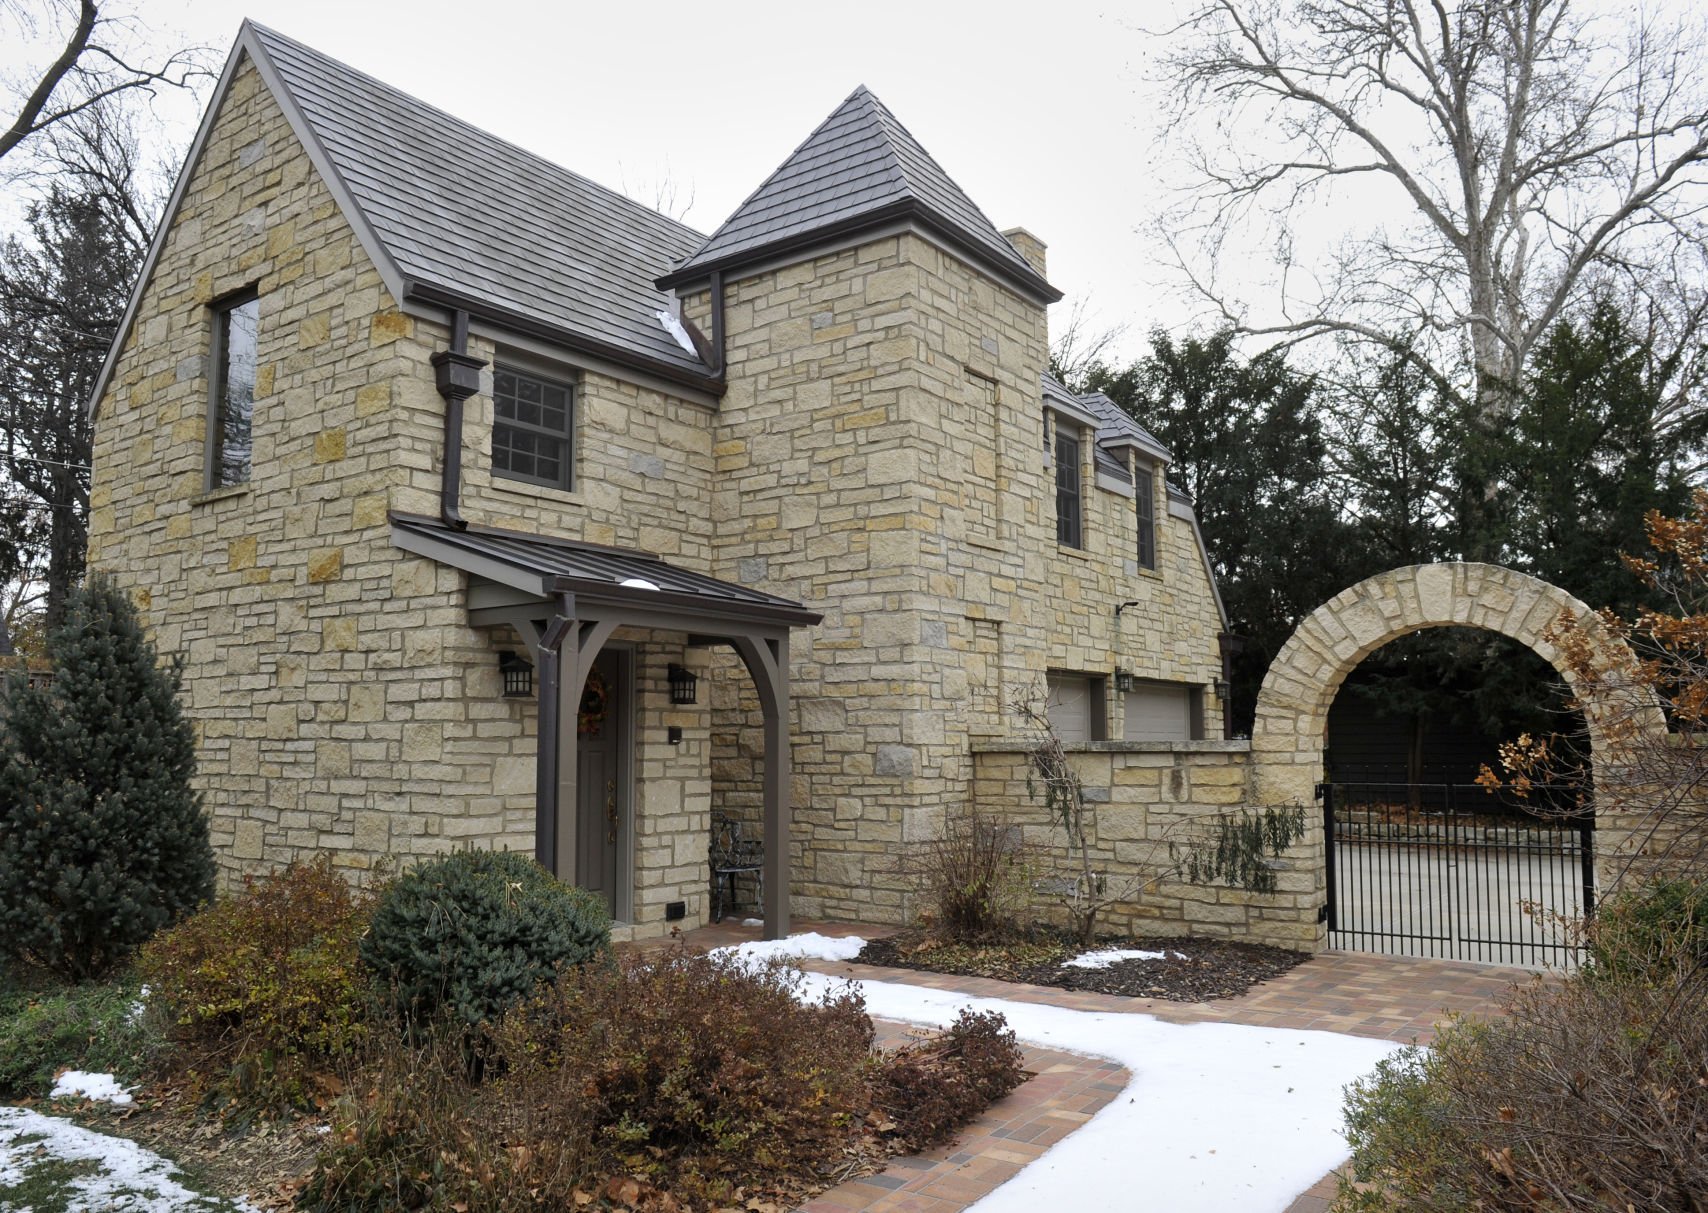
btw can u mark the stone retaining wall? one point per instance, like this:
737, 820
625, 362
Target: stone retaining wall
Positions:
1142, 796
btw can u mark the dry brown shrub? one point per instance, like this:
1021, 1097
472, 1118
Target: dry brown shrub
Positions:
663, 1083
1590, 1095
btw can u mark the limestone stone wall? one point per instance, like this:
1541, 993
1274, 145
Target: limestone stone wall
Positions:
1292, 708
1142, 796
1171, 635
341, 701
880, 457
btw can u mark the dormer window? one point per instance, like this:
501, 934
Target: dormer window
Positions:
1068, 498
532, 429
1144, 486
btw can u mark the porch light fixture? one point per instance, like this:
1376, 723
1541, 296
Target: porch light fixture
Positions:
1221, 687
1123, 680
518, 675
684, 685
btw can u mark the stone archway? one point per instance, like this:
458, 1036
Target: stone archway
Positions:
1291, 724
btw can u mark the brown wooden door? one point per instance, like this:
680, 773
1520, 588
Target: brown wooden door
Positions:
599, 775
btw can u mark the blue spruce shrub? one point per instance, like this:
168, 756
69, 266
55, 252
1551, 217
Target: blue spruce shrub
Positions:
102, 840
470, 935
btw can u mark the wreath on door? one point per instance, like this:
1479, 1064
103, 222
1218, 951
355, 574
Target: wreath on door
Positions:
595, 704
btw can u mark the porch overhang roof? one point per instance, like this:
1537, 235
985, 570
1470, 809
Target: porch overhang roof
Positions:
619, 580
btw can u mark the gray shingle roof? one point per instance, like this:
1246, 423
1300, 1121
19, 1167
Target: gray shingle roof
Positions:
860, 165
1118, 426
462, 210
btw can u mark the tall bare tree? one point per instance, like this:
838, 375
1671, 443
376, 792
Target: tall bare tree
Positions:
1525, 155
91, 55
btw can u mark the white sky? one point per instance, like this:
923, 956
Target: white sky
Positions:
1037, 111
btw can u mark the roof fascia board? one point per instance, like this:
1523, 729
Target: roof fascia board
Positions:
1073, 410
173, 202
549, 351
490, 318
861, 229
1154, 450
1109, 482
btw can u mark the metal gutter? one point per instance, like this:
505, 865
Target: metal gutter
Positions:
424, 292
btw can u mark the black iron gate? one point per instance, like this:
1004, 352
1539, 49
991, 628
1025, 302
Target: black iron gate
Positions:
1448, 870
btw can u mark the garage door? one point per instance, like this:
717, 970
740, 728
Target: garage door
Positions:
1070, 707
1159, 711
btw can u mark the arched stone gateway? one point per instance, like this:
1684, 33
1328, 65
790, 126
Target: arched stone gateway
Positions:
1292, 708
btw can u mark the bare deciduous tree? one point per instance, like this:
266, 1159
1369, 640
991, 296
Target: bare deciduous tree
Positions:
93, 61
1528, 154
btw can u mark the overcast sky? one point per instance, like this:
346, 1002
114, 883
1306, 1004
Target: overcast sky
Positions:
1037, 111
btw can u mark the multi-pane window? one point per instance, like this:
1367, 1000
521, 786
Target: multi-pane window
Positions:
1067, 488
532, 420
1144, 485
230, 447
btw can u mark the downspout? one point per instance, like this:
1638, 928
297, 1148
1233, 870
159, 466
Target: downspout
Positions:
717, 324
456, 373
545, 762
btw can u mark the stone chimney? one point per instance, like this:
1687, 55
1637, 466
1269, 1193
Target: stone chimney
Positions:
1028, 246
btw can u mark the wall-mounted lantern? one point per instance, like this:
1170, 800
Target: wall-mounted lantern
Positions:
1123, 680
684, 685
518, 675
1221, 686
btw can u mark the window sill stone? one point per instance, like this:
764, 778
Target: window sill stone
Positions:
220, 494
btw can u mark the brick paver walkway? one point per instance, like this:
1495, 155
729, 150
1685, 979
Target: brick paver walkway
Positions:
1387, 997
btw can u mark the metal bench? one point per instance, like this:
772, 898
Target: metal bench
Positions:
733, 857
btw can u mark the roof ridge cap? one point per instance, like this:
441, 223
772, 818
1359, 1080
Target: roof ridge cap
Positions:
544, 160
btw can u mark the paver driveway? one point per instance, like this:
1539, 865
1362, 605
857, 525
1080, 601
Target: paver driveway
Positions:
1385, 997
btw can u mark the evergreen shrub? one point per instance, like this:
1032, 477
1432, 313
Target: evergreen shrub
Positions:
102, 840
469, 935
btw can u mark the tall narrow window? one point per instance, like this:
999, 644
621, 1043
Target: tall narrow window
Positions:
1144, 485
532, 420
1067, 488
230, 449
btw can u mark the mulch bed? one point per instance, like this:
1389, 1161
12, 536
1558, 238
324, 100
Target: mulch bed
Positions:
1195, 969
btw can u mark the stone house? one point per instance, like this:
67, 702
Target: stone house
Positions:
419, 449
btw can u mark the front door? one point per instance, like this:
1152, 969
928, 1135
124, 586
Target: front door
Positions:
600, 826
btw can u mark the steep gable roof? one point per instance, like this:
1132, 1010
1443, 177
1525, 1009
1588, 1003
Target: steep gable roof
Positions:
860, 168
456, 208
457, 217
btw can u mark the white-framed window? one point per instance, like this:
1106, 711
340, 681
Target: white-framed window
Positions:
533, 428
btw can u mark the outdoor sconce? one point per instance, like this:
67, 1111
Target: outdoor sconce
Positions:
1221, 688
684, 685
518, 675
1123, 680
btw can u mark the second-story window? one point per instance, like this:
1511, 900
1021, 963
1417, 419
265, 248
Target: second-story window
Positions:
533, 428
230, 445
1144, 485
1067, 488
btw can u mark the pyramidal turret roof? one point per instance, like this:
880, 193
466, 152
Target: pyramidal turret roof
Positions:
859, 169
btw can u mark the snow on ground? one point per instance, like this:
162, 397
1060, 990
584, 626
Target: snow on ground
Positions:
121, 1177
78, 1084
1104, 957
808, 946
1214, 1116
